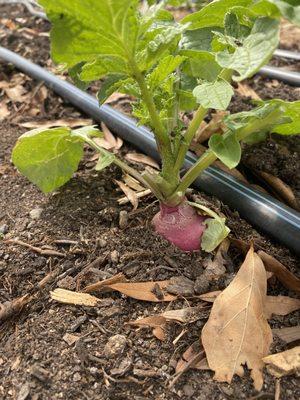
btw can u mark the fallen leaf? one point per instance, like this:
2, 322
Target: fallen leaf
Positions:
246, 91
210, 297
17, 93
289, 280
215, 268
237, 331
280, 305
102, 285
133, 183
70, 122
130, 194
77, 298
142, 158
108, 136
288, 335
284, 363
157, 322
147, 291
215, 125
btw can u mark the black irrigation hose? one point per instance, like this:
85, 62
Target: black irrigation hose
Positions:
261, 210
290, 77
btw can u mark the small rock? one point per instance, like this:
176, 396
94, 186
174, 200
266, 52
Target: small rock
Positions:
181, 286
70, 339
115, 346
201, 284
36, 213
101, 242
123, 219
24, 392
76, 377
4, 229
188, 390
114, 256
68, 283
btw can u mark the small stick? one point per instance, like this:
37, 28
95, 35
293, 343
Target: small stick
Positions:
139, 195
51, 253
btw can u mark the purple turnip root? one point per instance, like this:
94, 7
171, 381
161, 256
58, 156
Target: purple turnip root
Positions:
180, 225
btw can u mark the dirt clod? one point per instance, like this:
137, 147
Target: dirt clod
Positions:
115, 346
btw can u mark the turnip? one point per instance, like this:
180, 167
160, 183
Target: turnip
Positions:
170, 68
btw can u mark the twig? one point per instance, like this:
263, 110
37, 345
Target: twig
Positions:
51, 253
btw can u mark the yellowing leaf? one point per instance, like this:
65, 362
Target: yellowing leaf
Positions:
237, 331
284, 363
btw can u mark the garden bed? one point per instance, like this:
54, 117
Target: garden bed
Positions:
82, 221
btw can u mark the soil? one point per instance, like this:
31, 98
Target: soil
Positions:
35, 361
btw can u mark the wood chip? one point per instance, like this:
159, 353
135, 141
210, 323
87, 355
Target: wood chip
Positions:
70, 339
288, 335
246, 91
284, 363
76, 298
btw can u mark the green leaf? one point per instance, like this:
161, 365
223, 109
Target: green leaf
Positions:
48, 157
103, 66
74, 74
290, 110
213, 14
214, 234
215, 95
199, 39
289, 10
216, 230
201, 65
104, 161
232, 25
109, 86
227, 148
256, 50
165, 67
82, 31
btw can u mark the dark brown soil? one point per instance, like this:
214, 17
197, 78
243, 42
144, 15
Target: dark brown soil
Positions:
34, 357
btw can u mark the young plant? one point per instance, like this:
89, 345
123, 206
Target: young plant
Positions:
169, 67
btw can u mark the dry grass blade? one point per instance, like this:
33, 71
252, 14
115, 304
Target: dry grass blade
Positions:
130, 194
70, 122
288, 335
14, 307
76, 298
289, 280
285, 363
281, 305
237, 331
146, 291
141, 159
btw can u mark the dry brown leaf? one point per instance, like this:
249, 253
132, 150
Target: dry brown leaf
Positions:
281, 305
246, 91
101, 286
237, 331
284, 363
70, 122
210, 297
147, 291
130, 194
142, 158
280, 188
77, 298
133, 183
17, 93
108, 136
289, 280
215, 125
215, 268
288, 335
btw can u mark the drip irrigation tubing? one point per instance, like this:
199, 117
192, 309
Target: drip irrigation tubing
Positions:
293, 55
261, 210
290, 77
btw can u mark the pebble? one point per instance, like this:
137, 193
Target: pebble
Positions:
123, 219
115, 345
114, 256
36, 213
101, 242
188, 390
4, 229
76, 377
